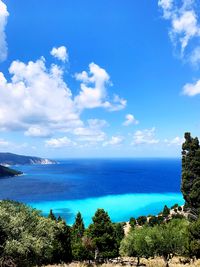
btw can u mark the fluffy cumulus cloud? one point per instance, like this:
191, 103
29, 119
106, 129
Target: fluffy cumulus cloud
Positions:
130, 119
3, 21
59, 142
192, 89
184, 21
37, 100
146, 136
60, 53
114, 141
93, 92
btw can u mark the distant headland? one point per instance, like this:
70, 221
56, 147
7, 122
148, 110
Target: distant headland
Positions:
7, 159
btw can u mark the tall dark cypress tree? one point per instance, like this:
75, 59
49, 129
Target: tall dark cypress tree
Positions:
190, 185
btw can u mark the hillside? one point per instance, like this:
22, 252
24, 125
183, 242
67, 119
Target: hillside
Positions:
7, 172
14, 159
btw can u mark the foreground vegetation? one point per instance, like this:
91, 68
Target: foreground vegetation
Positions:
29, 239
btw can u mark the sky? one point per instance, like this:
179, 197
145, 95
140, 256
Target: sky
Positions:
99, 78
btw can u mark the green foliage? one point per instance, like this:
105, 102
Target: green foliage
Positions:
166, 211
79, 251
190, 186
132, 222
164, 240
153, 220
194, 238
141, 220
78, 228
102, 233
30, 239
118, 233
174, 206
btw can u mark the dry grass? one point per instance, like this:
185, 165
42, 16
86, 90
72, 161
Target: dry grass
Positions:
158, 262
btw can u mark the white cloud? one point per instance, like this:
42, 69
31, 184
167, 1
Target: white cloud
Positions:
59, 142
36, 100
92, 132
60, 53
146, 136
36, 97
114, 141
192, 89
184, 21
166, 5
3, 21
37, 131
178, 141
130, 119
93, 92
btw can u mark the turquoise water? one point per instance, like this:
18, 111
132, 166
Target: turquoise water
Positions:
123, 187
119, 207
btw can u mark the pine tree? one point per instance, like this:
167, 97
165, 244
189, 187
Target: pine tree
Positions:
102, 233
190, 186
79, 251
78, 227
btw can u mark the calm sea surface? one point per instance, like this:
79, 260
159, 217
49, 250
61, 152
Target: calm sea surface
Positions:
124, 187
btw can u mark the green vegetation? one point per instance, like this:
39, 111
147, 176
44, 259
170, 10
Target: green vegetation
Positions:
191, 175
164, 240
29, 239
7, 172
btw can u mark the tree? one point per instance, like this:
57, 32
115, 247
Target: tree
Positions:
51, 215
29, 239
141, 220
190, 185
153, 220
78, 227
102, 234
132, 222
194, 239
164, 240
79, 251
166, 211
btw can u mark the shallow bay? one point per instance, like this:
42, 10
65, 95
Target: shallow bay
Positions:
124, 187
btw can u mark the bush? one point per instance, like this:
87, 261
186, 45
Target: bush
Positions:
141, 220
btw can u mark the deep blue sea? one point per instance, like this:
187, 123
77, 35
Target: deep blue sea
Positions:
123, 187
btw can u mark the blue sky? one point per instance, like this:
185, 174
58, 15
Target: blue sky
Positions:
98, 78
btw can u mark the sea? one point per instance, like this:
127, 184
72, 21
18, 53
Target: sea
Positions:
123, 187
